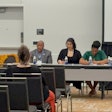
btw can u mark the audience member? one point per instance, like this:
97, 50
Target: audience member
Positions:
24, 67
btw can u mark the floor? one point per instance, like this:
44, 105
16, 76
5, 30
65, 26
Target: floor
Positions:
85, 103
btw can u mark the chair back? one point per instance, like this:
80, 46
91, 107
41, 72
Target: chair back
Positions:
49, 76
35, 87
4, 99
60, 78
3, 69
2, 74
18, 92
10, 59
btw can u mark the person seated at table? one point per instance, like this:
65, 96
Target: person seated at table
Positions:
98, 57
41, 54
73, 57
24, 67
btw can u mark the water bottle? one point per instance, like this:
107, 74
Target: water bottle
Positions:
66, 60
90, 60
34, 60
109, 60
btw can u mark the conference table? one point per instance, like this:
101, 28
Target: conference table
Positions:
80, 72
91, 72
85, 72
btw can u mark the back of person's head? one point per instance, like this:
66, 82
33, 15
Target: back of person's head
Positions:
23, 54
72, 41
96, 44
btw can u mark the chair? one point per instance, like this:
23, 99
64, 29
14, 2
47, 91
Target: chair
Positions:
18, 93
104, 85
61, 85
2, 74
4, 99
35, 90
10, 59
49, 75
2, 69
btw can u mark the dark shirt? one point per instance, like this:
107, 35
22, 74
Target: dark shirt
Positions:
32, 69
72, 60
45, 56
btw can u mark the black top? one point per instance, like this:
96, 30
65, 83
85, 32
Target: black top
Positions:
72, 60
32, 69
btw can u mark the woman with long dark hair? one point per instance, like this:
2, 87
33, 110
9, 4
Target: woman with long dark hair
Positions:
73, 56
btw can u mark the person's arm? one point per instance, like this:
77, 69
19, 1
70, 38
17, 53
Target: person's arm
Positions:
83, 61
103, 60
45, 89
100, 62
61, 56
79, 56
60, 62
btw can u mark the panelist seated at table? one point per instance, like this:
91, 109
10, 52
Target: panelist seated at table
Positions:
97, 57
41, 54
72, 56
24, 67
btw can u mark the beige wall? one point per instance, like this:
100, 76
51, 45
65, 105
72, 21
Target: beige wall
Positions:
81, 19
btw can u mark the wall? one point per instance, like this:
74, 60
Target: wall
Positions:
108, 21
81, 19
11, 1
11, 26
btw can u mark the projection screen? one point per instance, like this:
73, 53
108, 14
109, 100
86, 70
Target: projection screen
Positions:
107, 21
